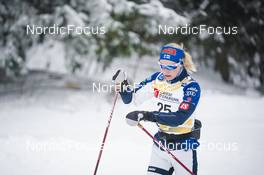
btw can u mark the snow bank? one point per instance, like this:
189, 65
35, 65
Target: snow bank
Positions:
48, 56
60, 131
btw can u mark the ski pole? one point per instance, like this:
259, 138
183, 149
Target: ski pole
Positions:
108, 123
166, 149
105, 135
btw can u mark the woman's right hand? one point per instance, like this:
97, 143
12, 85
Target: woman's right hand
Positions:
123, 86
119, 78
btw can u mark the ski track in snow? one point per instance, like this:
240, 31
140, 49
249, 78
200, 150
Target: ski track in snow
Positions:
60, 132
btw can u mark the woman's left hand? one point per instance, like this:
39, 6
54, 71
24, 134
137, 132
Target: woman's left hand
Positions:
133, 118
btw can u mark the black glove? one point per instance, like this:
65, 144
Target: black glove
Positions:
133, 118
120, 80
124, 86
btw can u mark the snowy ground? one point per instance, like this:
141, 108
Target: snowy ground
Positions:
59, 131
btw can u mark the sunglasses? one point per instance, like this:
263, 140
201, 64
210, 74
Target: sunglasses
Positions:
168, 67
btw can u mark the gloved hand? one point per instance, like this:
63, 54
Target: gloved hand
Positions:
133, 118
122, 87
120, 80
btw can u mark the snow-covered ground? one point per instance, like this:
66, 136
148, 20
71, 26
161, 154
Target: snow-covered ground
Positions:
59, 132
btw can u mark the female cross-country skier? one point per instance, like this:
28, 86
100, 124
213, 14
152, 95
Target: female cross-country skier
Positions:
175, 97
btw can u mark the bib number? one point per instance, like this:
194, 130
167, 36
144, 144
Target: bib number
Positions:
164, 107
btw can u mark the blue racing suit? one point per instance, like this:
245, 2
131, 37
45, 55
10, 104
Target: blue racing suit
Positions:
174, 103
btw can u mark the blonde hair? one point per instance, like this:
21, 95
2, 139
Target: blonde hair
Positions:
187, 60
